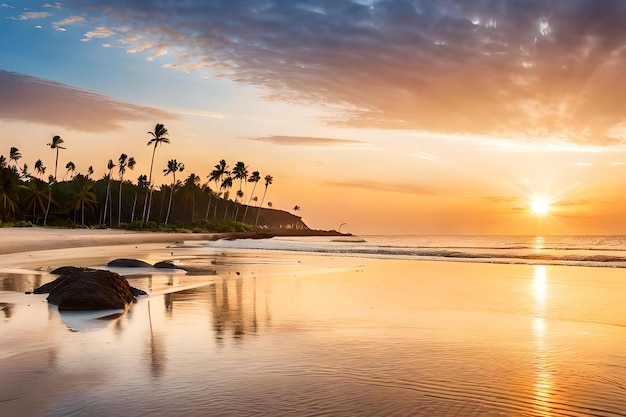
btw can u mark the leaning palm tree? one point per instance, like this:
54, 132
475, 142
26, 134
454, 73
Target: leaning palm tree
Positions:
173, 166
158, 137
54, 144
107, 198
268, 181
255, 178
14, 155
123, 162
40, 168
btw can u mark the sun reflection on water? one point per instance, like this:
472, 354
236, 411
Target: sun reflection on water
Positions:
543, 386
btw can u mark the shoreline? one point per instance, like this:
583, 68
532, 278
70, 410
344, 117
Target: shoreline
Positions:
18, 240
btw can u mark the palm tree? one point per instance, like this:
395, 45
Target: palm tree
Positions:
227, 184
240, 171
83, 196
40, 168
268, 181
3, 161
142, 183
296, 207
9, 193
173, 166
240, 196
14, 155
255, 178
216, 175
36, 196
189, 188
89, 172
158, 137
107, 198
54, 144
24, 172
71, 168
123, 162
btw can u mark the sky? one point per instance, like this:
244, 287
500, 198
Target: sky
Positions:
391, 116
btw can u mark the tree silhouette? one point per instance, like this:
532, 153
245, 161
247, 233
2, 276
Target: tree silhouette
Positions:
123, 162
142, 183
83, 195
71, 168
14, 155
40, 168
227, 184
107, 197
9, 193
296, 207
158, 137
56, 143
255, 178
173, 166
268, 181
216, 175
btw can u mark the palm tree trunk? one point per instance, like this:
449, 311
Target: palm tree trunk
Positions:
147, 215
245, 213
260, 205
169, 205
45, 218
208, 208
119, 211
106, 202
83, 214
132, 215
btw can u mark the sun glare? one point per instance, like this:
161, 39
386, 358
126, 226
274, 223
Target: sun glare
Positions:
540, 206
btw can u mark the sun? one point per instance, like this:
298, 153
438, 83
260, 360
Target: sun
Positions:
540, 206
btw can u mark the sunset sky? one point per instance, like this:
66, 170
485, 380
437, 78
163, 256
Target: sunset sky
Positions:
395, 117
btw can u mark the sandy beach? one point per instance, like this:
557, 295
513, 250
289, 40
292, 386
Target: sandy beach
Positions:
299, 334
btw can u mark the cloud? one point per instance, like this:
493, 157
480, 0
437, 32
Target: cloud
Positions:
521, 70
53, 5
305, 140
70, 20
35, 100
100, 32
6, 6
31, 15
385, 187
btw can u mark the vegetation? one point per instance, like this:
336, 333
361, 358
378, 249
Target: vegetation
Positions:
78, 200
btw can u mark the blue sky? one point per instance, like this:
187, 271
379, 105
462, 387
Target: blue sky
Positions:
402, 111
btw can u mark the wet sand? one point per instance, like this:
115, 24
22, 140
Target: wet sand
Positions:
294, 334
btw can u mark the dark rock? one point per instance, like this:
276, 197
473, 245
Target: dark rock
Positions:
66, 270
89, 289
128, 263
136, 292
167, 265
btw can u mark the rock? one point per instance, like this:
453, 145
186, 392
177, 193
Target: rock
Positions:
190, 269
167, 265
66, 270
89, 289
128, 263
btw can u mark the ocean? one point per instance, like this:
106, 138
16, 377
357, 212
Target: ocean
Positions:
599, 251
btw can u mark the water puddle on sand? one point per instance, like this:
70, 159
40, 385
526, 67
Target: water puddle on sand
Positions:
310, 336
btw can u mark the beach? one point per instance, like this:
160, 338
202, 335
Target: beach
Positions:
276, 332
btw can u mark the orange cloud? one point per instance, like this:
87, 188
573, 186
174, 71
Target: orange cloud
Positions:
35, 100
